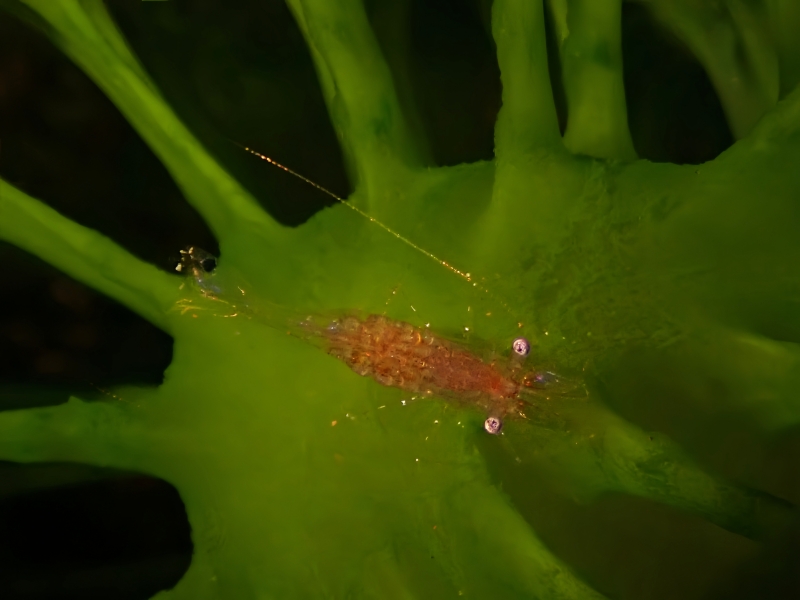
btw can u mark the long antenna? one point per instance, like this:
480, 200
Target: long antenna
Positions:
386, 228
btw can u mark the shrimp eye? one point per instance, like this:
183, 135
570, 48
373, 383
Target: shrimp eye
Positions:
208, 264
493, 425
194, 259
521, 346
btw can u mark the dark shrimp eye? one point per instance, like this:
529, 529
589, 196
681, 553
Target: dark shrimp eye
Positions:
521, 346
208, 264
493, 425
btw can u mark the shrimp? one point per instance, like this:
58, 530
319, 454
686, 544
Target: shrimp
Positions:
393, 353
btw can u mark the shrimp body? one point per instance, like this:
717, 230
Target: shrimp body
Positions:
397, 354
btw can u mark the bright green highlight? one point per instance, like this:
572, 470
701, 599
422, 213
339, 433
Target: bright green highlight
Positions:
656, 286
368, 118
85, 255
591, 58
86, 33
528, 117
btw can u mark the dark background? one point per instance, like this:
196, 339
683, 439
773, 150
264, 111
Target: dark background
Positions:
235, 71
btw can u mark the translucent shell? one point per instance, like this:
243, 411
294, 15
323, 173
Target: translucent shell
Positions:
200, 265
393, 353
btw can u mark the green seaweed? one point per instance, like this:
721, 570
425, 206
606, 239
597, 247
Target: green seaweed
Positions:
666, 294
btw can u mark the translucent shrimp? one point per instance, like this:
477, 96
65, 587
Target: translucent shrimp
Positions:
393, 353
